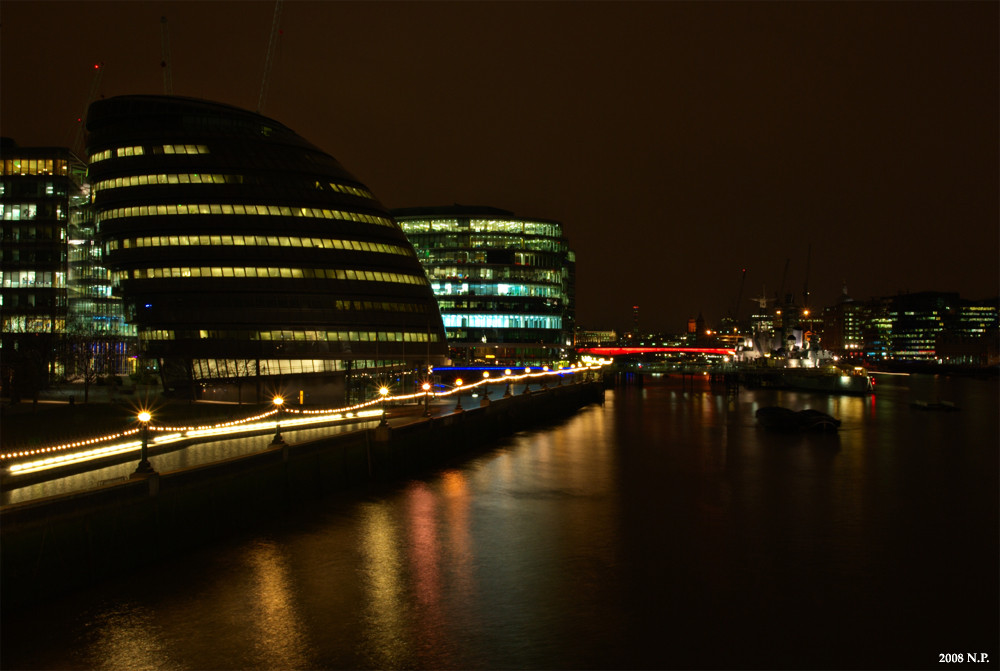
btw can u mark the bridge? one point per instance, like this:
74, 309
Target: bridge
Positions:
623, 351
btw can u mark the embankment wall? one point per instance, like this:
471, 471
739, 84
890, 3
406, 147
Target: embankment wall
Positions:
60, 543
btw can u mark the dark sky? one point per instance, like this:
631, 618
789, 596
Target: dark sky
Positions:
677, 142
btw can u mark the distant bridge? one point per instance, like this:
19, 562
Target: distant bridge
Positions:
621, 351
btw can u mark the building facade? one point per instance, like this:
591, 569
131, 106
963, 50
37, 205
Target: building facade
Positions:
38, 188
59, 318
248, 257
925, 327
505, 284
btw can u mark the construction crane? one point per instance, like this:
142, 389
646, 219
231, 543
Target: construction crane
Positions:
739, 296
77, 145
805, 284
781, 291
168, 83
269, 58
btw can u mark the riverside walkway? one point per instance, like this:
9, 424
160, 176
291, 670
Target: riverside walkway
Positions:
21, 486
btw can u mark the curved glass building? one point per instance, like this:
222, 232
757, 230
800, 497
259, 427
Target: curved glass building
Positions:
504, 284
245, 253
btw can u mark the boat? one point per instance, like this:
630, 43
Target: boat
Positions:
829, 379
946, 406
783, 419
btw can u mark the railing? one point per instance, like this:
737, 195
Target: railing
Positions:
34, 460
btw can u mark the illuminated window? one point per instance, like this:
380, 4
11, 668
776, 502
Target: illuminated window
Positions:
249, 210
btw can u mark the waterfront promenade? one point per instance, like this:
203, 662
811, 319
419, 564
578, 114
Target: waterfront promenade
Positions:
77, 528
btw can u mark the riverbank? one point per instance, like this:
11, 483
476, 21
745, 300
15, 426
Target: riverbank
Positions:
56, 544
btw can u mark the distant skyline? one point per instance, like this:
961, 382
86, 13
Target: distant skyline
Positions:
678, 143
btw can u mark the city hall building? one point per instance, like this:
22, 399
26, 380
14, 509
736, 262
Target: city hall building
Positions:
504, 283
247, 257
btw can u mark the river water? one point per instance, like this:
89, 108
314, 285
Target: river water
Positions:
664, 529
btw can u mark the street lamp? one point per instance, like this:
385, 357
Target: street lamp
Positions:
278, 403
383, 392
458, 386
486, 389
426, 386
506, 393
144, 467
527, 380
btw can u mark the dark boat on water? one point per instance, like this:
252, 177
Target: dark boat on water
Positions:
945, 406
783, 419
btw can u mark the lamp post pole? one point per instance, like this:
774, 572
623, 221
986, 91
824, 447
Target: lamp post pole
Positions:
383, 392
458, 386
426, 386
506, 393
144, 467
527, 380
278, 403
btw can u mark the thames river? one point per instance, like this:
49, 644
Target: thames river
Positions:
663, 530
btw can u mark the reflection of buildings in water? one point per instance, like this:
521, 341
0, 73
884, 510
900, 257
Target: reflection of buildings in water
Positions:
385, 633
280, 634
426, 562
128, 638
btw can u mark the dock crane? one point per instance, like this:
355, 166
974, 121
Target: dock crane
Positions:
77, 145
168, 84
739, 296
269, 58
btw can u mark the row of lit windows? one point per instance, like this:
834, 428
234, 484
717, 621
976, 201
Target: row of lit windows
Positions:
463, 289
32, 324
294, 273
304, 336
242, 210
32, 166
30, 211
502, 321
179, 178
208, 369
258, 241
355, 305
480, 225
28, 279
353, 190
466, 273
138, 151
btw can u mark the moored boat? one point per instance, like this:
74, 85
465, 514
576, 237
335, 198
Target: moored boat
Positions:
784, 419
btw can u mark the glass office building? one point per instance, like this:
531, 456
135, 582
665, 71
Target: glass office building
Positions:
504, 284
247, 255
39, 186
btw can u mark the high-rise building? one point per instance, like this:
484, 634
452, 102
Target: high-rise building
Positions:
59, 318
247, 256
39, 186
504, 283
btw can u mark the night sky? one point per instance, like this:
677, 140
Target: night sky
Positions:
678, 143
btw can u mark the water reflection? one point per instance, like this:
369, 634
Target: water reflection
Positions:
664, 529
276, 627
386, 642
128, 637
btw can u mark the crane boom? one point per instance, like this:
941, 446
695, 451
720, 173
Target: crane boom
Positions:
78, 140
739, 296
168, 84
269, 58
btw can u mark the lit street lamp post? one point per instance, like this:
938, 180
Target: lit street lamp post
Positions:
278, 403
144, 467
486, 390
458, 386
427, 398
506, 393
383, 392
